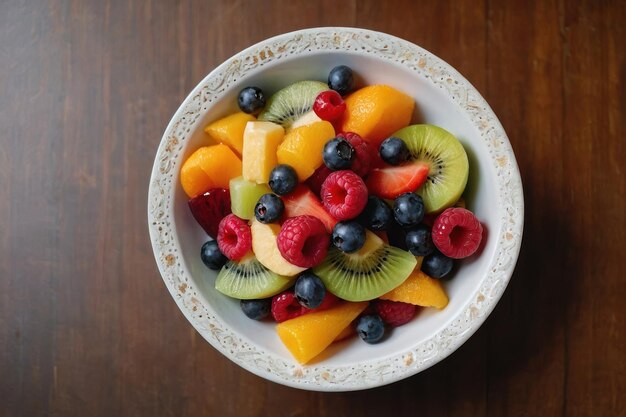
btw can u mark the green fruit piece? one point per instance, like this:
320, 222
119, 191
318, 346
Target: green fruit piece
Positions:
448, 163
367, 274
291, 102
244, 195
248, 279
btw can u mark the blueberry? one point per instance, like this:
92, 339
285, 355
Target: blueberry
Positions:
211, 255
251, 100
283, 179
394, 151
377, 214
309, 290
408, 209
341, 79
419, 241
338, 154
437, 265
256, 309
348, 236
370, 328
269, 208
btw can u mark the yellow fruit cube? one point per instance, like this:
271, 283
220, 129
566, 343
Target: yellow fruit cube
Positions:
307, 336
302, 147
421, 290
229, 130
209, 167
260, 141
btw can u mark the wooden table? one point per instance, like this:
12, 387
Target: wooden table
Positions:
87, 327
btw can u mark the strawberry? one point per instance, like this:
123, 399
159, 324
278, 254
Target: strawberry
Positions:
390, 182
210, 208
302, 201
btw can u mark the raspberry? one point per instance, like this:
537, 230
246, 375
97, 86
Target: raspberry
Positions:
285, 305
457, 233
303, 241
234, 237
394, 313
364, 153
344, 195
329, 105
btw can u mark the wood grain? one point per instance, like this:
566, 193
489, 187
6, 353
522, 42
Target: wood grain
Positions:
87, 87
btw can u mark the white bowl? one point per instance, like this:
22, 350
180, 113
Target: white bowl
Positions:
443, 98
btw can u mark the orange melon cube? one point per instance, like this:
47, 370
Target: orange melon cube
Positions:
419, 289
302, 147
209, 167
375, 112
229, 130
307, 336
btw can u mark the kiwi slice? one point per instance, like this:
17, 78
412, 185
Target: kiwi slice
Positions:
291, 102
367, 274
449, 167
248, 279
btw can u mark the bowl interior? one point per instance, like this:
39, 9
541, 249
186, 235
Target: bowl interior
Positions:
434, 106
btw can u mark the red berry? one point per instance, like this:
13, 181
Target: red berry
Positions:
329, 105
285, 305
394, 313
316, 180
210, 208
302, 201
303, 241
234, 237
457, 233
344, 195
364, 153
391, 181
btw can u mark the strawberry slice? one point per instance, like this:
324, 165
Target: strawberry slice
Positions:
210, 208
302, 201
390, 182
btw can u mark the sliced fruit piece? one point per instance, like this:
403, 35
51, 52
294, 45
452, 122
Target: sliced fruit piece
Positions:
306, 119
302, 201
244, 195
291, 102
376, 111
302, 148
248, 279
260, 141
447, 161
374, 270
345, 333
419, 289
210, 208
308, 335
266, 250
390, 182
209, 167
229, 130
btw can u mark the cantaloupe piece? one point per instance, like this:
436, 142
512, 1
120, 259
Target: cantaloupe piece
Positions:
229, 130
209, 167
377, 111
307, 336
419, 289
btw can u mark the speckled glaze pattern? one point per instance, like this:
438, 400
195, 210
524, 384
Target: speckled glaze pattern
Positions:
319, 376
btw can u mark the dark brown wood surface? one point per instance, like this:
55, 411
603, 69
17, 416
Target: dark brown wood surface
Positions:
87, 327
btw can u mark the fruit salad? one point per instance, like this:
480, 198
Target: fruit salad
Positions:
329, 213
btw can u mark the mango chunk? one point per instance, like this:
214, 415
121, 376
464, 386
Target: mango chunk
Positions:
229, 130
419, 289
209, 167
302, 147
307, 336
